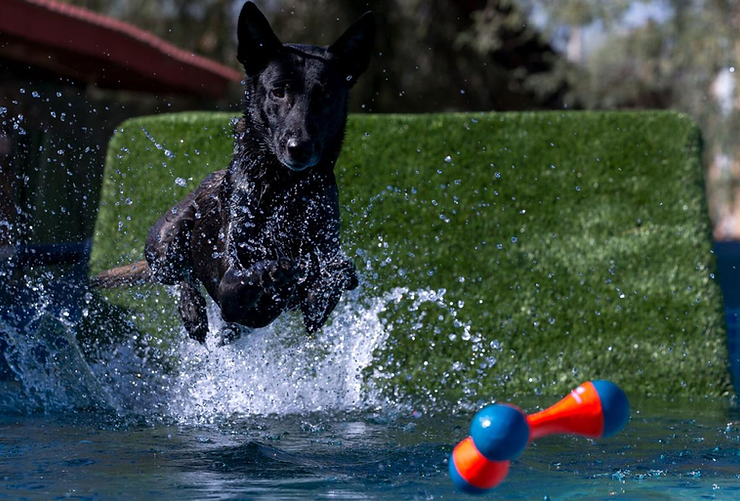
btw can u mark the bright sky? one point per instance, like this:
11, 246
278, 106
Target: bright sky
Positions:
639, 13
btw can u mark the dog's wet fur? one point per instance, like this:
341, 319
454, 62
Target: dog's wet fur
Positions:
263, 235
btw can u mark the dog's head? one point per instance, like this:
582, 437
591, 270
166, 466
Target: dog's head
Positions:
297, 94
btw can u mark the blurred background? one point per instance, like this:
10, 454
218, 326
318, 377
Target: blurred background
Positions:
432, 55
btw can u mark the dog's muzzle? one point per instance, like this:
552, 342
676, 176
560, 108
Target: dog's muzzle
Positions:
300, 155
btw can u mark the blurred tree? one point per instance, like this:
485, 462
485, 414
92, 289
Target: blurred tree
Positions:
431, 55
437, 55
573, 16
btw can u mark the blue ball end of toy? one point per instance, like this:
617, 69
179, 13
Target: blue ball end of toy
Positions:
500, 432
615, 406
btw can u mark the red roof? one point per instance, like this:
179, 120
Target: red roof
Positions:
87, 46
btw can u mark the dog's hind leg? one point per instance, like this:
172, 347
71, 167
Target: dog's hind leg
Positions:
167, 247
193, 311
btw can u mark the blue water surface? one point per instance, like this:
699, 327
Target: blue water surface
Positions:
669, 450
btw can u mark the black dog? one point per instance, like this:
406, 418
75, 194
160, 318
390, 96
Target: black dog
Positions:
263, 235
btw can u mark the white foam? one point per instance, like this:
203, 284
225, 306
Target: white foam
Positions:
281, 370
275, 370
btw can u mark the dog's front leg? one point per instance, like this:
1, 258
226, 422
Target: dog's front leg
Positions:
322, 291
246, 295
192, 309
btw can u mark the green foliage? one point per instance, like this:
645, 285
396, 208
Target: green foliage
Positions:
571, 246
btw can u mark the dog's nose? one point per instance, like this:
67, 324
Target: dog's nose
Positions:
301, 152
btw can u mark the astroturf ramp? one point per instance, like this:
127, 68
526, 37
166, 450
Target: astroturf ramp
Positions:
571, 246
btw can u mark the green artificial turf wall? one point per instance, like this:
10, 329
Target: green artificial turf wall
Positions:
571, 246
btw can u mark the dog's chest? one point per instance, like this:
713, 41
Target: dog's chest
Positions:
294, 224
305, 223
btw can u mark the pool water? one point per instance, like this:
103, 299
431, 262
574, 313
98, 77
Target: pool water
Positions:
669, 450
280, 416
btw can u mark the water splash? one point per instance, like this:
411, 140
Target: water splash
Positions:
274, 370
278, 370
44, 354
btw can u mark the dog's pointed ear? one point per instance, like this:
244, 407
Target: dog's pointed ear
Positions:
354, 48
257, 42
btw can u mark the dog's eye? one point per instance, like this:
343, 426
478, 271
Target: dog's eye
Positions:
278, 93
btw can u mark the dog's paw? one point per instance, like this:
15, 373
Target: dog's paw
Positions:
236, 278
350, 276
230, 333
342, 273
280, 273
317, 305
321, 293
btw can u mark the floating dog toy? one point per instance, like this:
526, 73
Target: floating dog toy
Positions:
499, 433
